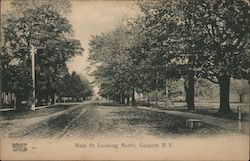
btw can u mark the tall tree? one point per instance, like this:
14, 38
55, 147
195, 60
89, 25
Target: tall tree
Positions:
167, 50
51, 34
212, 36
223, 36
111, 53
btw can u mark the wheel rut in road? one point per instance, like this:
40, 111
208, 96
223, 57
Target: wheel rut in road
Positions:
47, 128
88, 125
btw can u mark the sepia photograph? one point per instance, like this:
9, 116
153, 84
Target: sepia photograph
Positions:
125, 80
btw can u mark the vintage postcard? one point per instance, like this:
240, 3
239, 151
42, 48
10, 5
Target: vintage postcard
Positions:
125, 80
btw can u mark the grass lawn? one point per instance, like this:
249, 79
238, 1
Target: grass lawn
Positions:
211, 109
27, 113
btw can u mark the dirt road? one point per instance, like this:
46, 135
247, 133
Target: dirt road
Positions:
93, 120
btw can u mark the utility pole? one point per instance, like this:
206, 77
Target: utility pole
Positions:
33, 100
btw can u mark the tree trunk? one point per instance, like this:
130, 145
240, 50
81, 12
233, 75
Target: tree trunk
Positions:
114, 98
241, 98
11, 98
55, 98
39, 101
128, 98
189, 89
52, 95
18, 101
133, 98
118, 98
224, 83
148, 99
46, 99
156, 98
123, 98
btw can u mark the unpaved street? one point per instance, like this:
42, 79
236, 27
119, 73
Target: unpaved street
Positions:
91, 120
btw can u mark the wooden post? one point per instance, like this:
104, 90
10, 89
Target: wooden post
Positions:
239, 119
193, 123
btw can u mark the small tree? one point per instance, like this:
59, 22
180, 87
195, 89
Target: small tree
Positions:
167, 48
241, 88
75, 86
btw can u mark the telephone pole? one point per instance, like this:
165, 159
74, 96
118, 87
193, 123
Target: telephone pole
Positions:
33, 100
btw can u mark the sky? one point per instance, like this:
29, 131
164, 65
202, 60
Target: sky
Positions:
92, 18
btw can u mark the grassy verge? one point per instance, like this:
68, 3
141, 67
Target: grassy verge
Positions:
203, 110
27, 113
213, 112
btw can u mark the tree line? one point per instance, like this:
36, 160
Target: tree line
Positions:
44, 26
172, 40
